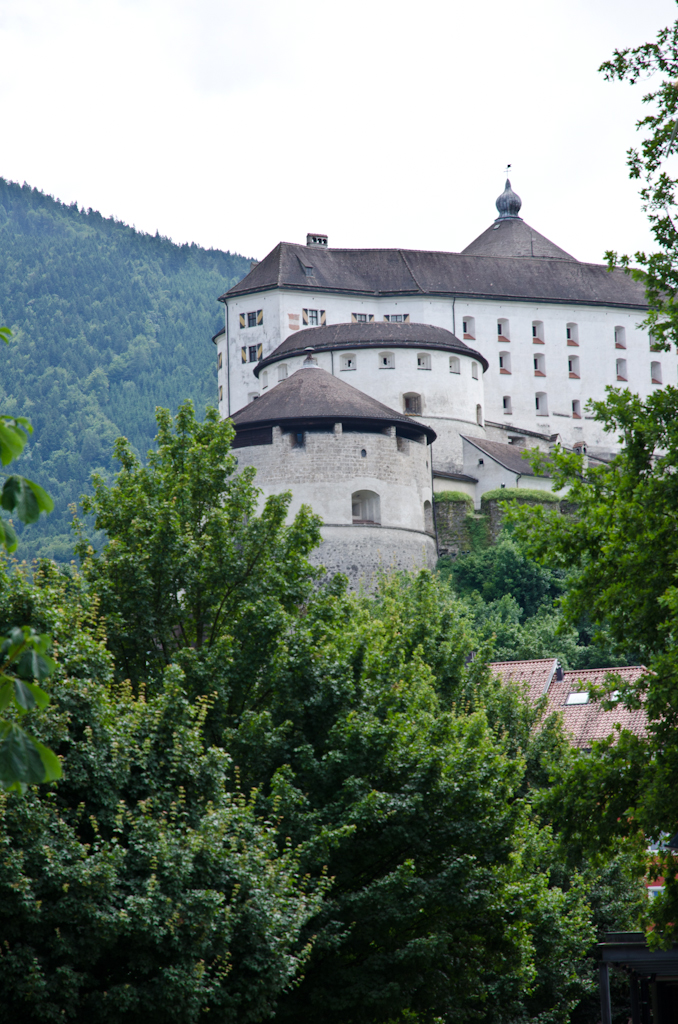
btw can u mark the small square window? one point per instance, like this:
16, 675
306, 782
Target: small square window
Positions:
309, 271
386, 361
423, 361
348, 362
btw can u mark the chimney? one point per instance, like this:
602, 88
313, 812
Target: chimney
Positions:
318, 240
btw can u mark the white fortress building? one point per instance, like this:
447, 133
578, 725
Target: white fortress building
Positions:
500, 345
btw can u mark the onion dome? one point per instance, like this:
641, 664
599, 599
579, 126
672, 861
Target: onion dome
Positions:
508, 203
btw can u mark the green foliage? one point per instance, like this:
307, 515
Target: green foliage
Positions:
108, 323
443, 496
188, 561
138, 888
505, 569
625, 558
657, 270
520, 494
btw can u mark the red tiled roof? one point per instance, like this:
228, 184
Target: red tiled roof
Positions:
537, 673
585, 722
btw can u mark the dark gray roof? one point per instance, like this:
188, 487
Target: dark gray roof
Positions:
373, 335
218, 334
311, 395
402, 272
511, 236
510, 456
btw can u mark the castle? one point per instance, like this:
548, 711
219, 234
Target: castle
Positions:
366, 380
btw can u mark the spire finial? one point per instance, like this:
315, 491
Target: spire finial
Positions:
508, 204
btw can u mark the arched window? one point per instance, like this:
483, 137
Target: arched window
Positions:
365, 507
620, 337
479, 415
537, 332
503, 330
455, 366
474, 370
656, 373
423, 361
469, 328
428, 517
282, 371
504, 362
412, 404
539, 366
572, 334
506, 402
573, 366
621, 370
541, 403
576, 409
386, 361
264, 380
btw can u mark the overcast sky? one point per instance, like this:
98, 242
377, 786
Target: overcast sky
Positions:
379, 122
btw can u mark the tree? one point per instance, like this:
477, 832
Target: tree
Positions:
139, 887
623, 548
23, 652
658, 270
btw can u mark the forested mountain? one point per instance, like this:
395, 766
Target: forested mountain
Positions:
107, 323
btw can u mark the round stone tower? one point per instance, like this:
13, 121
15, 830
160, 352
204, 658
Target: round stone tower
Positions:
364, 468
425, 372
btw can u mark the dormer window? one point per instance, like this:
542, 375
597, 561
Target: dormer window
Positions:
309, 271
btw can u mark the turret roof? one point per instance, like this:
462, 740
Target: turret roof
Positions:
313, 396
370, 335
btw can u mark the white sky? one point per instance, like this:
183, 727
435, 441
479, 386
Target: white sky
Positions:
379, 122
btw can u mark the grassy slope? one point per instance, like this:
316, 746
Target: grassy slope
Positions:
108, 323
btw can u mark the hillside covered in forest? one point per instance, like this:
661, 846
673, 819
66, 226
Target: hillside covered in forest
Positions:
107, 323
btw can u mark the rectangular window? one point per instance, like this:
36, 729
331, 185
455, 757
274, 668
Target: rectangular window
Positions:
423, 361
220, 360
397, 318
360, 318
313, 317
348, 362
253, 354
221, 392
413, 405
474, 371
252, 319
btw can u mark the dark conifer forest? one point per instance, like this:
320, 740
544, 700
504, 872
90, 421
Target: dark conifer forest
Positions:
107, 323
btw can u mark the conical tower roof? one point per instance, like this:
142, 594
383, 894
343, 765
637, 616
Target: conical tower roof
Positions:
312, 396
